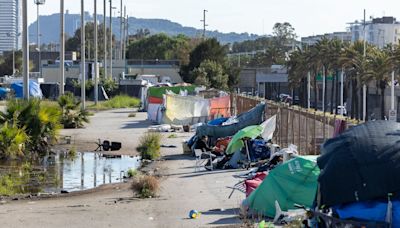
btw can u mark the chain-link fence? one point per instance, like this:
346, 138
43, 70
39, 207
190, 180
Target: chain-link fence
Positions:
306, 129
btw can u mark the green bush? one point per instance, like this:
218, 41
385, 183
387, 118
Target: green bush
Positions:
132, 172
12, 141
149, 146
41, 123
109, 85
121, 101
72, 116
146, 186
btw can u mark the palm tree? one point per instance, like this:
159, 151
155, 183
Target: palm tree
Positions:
381, 63
335, 51
323, 55
297, 77
357, 71
313, 65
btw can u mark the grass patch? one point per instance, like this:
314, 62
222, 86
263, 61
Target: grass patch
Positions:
132, 173
146, 186
173, 136
121, 101
149, 145
133, 114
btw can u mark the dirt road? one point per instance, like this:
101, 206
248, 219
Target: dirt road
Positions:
113, 205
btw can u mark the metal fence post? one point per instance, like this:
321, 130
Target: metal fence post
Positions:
299, 132
315, 133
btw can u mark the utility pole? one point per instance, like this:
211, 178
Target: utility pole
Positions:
25, 48
364, 116
83, 61
124, 35
204, 23
38, 3
105, 37
309, 91
96, 60
341, 92
111, 41
62, 47
120, 32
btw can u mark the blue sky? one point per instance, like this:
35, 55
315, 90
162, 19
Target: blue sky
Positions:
308, 17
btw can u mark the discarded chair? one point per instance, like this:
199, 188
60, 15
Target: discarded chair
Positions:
201, 157
107, 145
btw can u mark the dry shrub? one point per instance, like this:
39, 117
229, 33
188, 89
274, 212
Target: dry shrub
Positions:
146, 186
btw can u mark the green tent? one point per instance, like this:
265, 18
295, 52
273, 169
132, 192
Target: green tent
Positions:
248, 132
160, 91
293, 182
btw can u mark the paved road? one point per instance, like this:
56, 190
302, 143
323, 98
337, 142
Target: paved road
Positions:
182, 190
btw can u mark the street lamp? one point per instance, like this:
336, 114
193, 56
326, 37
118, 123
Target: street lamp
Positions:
38, 3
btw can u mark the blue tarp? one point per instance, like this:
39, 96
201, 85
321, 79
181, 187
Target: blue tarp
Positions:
254, 116
218, 122
370, 211
34, 89
3, 92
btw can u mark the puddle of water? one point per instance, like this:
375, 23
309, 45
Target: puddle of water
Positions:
56, 173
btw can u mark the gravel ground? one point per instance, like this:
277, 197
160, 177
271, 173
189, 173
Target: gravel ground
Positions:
113, 205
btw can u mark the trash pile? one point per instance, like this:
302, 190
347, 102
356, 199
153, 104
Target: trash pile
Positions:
235, 142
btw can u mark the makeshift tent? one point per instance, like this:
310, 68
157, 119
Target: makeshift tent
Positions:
247, 132
3, 92
102, 94
34, 89
254, 116
50, 90
293, 182
153, 112
160, 91
360, 164
220, 107
155, 100
185, 109
269, 127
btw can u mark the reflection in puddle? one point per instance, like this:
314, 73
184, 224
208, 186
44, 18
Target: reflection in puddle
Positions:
56, 173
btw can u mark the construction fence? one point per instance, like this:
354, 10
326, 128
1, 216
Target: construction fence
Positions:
307, 129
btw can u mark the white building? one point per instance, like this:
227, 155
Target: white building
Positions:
379, 31
311, 40
10, 25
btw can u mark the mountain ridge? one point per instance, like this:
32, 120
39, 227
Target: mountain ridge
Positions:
50, 28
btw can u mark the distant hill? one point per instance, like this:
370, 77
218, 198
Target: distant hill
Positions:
50, 28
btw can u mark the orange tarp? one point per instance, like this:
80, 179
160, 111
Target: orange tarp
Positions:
220, 107
155, 100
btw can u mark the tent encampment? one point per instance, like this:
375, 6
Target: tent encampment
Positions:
360, 164
254, 116
293, 182
34, 89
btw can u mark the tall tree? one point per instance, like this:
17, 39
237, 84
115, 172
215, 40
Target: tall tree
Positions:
74, 43
381, 67
209, 49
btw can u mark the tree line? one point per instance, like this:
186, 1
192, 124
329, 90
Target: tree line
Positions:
331, 57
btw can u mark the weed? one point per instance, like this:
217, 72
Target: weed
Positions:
72, 152
132, 173
133, 114
146, 186
173, 136
149, 145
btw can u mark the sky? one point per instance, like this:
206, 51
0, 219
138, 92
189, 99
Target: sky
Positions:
308, 17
